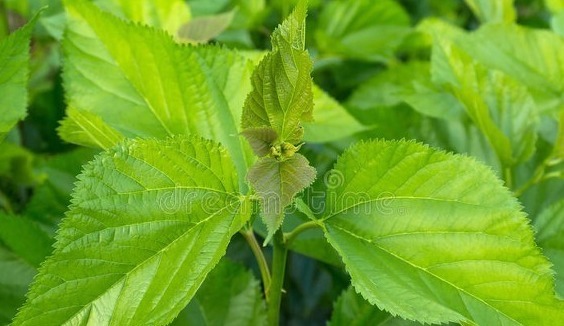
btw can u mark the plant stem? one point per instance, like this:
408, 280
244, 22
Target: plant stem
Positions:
249, 236
290, 236
4, 26
508, 177
278, 270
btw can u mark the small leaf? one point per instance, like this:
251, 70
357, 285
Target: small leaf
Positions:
231, 295
351, 309
550, 228
261, 139
24, 238
434, 237
87, 129
203, 29
128, 250
14, 75
276, 183
282, 87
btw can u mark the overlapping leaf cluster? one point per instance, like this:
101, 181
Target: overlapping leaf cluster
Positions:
272, 119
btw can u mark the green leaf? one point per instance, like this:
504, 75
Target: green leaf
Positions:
276, 183
203, 29
435, 238
24, 238
500, 106
129, 251
331, 116
351, 309
362, 29
14, 75
537, 65
231, 295
15, 277
87, 129
550, 227
169, 15
500, 11
282, 87
156, 87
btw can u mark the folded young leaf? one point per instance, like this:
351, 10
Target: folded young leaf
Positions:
550, 228
436, 238
127, 253
282, 87
150, 85
14, 74
231, 295
276, 183
87, 129
362, 29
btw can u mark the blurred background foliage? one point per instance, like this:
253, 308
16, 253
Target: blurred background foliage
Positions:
373, 57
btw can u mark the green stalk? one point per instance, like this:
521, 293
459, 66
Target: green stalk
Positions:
249, 236
4, 26
278, 270
298, 230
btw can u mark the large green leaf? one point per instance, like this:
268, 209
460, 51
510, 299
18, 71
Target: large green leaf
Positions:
500, 106
14, 74
231, 295
156, 87
550, 228
282, 87
362, 29
130, 250
435, 237
331, 120
500, 11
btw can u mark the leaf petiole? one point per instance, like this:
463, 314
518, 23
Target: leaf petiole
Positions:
249, 236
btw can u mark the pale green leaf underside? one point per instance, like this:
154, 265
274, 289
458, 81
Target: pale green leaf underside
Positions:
230, 296
435, 237
14, 74
499, 11
128, 251
150, 85
550, 230
203, 29
282, 87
